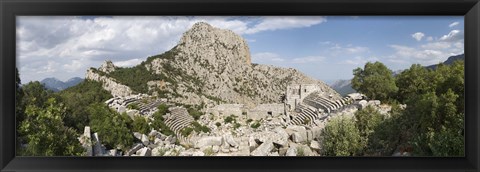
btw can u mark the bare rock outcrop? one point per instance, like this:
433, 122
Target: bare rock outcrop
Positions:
109, 84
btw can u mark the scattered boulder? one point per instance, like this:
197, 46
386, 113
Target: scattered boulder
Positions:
291, 152
97, 148
209, 141
363, 104
145, 140
137, 135
134, 149
315, 145
229, 139
145, 152
264, 149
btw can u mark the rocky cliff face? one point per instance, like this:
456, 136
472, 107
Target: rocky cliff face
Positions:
109, 84
212, 66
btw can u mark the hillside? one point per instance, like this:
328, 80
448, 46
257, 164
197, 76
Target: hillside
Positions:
208, 66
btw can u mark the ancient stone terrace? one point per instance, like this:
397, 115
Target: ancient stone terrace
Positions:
305, 116
149, 107
326, 104
178, 119
315, 107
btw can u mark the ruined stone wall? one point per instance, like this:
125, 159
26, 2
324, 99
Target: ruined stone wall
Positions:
227, 110
266, 110
296, 93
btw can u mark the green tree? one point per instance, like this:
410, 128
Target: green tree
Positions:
388, 134
78, 98
45, 132
412, 82
366, 121
159, 122
341, 138
140, 124
19, 108
375, 81
34, 93
112, 127
440, 125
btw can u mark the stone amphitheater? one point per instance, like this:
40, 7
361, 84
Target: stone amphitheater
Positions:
306, 104
291, 128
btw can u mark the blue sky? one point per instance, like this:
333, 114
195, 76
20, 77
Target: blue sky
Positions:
325, 47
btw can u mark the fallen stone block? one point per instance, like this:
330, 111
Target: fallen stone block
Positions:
209, 141
263, 149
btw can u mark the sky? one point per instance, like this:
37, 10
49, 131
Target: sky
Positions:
324, 47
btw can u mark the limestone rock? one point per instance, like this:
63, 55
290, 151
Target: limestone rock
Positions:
291, 152
145, 140
229, 139
137, 135
363, 104
109, 84
299, 133
264, 149
209, 141
315, 145
107, 67
97, 148
86, 141
134, 149
145, 152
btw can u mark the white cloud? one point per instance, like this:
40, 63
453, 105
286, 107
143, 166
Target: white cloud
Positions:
308, 59
76, 43
266, 57
348, 49
269, 58
454, 35
128, 63
453, 24
276, 23
74, 66
437, 45
418, 36
432, 52
359, 60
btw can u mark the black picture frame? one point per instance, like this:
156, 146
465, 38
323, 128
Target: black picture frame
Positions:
470, 9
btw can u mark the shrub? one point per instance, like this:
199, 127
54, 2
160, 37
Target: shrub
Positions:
140, 124
341, 138
236, 125
218, 124
208, 151
133, 106
229, 119
158, 122
186, 131
111, 126
255, 125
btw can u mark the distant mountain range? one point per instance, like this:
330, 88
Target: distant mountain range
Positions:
344, 87
56, 85
449, 61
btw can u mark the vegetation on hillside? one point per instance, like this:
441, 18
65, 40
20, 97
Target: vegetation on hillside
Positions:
78, 98
111, 127
432, 124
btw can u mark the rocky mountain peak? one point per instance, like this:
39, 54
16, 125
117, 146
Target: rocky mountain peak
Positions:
107, 67
205, 42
